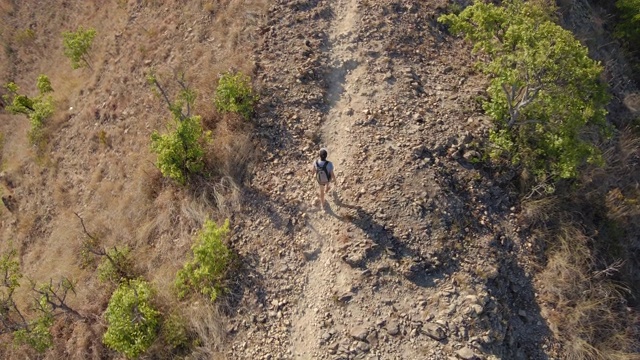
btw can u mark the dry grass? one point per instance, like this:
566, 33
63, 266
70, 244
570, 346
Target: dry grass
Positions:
541, 212
590, 281
202, 320
585, 309
97, 160
206, 321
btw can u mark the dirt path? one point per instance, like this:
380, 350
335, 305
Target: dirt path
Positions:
326, 273
386, 271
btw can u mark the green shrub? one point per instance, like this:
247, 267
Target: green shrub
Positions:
37, 109
235, 94
545, 94
629, 26
180, 152
10, 273
132, 319
38, 334
116, 266
205, 273
77, 45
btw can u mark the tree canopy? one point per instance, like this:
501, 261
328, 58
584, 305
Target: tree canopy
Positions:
545, 94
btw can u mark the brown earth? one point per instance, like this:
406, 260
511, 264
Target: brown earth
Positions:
419, 254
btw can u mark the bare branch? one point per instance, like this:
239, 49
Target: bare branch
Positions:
185, 88
85, 228
55, 297
91, 246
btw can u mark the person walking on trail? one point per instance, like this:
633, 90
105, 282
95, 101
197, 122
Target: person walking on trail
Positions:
323, 170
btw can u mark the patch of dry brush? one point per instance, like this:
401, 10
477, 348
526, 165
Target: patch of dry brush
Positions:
590, 283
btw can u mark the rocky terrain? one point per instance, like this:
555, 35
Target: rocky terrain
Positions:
418, 253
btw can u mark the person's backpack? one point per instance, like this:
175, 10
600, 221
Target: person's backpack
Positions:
322, 174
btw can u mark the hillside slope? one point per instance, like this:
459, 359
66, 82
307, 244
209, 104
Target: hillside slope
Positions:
96, 161
420, 252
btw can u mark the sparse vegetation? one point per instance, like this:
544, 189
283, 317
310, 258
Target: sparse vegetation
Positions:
174, 332
50, 301
102, 111
546, 97
587, 308
103, 138
235, 94
205, 273
629, 27
77, 45
116, 266
37, 334
11, 318
25, 36
419, 117
37, 109
132, 319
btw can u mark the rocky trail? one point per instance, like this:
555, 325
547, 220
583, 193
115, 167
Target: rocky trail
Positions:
418, 254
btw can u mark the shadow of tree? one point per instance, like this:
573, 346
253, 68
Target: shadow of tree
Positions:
244, 278
418, 270
522, 328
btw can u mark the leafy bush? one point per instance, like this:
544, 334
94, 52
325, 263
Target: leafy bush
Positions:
235, 94
77, 45
38, 334
205, 273
629, 27
133, 321
116, 266
37, 109
545, 93
11, 275
180, 152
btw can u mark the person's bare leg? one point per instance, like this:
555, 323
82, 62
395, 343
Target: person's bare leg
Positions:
321, 195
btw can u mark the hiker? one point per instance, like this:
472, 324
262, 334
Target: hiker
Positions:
323, 170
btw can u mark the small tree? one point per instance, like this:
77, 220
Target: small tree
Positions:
133, 320
52, 298
545, 92
11, 319
629, 27
205, 273
37, 334
235, 94
37, 109
117, 264
50, 302
77, 45
180, 151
